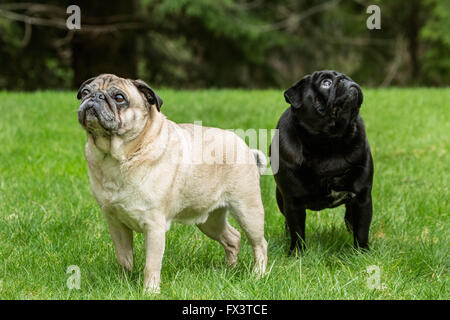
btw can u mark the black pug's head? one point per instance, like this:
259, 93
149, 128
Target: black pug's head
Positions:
325, 103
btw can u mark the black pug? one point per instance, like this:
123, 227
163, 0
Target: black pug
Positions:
324, 155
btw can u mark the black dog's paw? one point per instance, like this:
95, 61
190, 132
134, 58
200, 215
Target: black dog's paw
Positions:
297, 248
295, 252
361, 247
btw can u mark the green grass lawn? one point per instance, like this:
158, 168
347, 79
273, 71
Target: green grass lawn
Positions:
49, 219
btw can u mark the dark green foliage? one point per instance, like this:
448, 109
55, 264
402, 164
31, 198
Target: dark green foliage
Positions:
234, 43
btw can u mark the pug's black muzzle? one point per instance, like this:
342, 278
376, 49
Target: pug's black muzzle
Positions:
345, 92
97, 108
342, 106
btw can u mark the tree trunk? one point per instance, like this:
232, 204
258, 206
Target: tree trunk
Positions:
94, 53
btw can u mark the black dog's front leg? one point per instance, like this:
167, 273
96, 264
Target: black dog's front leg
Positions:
359, 215
348, 217
295, 218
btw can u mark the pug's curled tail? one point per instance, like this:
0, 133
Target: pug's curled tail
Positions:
261, 160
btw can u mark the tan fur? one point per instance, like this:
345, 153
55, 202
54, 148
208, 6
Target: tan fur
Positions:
152, 173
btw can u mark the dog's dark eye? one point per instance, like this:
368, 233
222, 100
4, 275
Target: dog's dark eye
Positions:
119, 98
84, 93
326, 83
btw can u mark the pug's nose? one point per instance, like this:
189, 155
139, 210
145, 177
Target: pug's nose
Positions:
89, 104
99, 95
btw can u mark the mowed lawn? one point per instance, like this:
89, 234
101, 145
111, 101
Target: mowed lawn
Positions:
50, 221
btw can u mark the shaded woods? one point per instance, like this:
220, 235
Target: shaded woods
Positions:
223, 43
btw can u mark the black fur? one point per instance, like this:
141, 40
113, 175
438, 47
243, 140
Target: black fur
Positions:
324, 156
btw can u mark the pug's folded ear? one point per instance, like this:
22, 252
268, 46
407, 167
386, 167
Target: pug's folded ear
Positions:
82, 86
149, 94
293, 95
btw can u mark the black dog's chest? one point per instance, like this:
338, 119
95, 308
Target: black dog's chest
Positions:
326, 186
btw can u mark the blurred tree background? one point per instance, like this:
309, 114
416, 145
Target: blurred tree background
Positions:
223, 43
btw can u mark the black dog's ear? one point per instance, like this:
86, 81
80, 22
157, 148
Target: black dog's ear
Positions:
293, 95
150, 95
82, 86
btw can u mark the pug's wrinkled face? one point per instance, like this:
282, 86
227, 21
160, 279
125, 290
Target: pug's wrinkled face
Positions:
325, 103
111, 105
